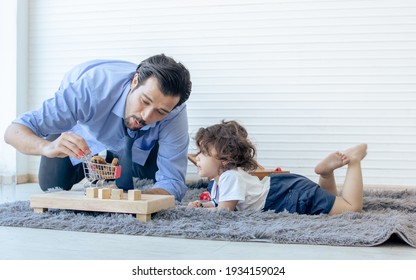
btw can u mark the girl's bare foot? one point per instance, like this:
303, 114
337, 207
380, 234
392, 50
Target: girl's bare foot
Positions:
356, 153
331, 162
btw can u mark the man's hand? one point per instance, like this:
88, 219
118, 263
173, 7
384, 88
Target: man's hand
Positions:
68, 144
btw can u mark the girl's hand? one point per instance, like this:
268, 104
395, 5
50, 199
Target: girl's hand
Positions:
195, 204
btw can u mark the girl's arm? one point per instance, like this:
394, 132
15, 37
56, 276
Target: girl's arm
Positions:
198, 203
230, 204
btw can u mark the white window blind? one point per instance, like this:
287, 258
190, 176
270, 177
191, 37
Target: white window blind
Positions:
304, 77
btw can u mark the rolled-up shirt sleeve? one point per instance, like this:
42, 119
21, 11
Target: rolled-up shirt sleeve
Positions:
60, 113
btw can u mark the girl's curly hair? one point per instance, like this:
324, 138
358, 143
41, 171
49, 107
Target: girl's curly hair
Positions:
230, 141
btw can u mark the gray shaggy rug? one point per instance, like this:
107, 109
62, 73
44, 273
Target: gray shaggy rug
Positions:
387, 214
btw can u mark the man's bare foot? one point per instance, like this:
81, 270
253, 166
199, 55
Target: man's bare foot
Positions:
331, 162
356, 153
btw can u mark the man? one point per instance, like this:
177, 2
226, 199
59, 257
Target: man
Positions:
104, 105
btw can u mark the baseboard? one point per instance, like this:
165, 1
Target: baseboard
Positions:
30, 178
7, 179
26, 178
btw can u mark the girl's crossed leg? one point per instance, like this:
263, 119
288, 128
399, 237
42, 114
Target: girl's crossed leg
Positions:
351, 199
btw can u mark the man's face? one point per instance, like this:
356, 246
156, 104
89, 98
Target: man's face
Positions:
147, 104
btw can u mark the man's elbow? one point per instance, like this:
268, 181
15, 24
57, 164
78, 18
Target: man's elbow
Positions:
14, 133
8, 134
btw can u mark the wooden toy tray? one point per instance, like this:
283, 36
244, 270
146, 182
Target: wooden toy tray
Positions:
76, 200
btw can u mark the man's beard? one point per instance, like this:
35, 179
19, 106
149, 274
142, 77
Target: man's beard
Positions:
139, 120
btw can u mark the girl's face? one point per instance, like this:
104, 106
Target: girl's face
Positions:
208, 166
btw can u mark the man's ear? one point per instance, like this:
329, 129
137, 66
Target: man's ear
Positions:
135, 81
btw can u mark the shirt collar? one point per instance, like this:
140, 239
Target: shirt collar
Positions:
118, 108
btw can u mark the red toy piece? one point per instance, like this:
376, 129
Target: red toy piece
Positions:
205, 196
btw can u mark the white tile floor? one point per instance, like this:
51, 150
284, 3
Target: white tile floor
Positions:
42, 244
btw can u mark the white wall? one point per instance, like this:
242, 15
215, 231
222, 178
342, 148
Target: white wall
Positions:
13, 79
305, 77
8, 47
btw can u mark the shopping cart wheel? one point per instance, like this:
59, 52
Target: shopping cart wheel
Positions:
100, 183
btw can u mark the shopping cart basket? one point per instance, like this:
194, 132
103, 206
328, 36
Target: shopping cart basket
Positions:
96, 173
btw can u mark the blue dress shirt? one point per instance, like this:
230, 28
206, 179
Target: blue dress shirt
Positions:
90, 102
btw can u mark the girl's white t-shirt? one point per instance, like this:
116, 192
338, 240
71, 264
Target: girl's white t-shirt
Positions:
237, 184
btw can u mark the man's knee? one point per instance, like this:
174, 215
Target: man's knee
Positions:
58, 173
50, 181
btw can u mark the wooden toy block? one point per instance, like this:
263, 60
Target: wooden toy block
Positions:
116, 193
261, 172
134, 195
91, 192
192, 158
76, 200
104, 193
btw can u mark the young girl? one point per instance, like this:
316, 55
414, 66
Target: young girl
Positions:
226, 154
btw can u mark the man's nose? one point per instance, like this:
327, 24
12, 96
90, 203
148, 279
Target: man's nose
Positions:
146, 115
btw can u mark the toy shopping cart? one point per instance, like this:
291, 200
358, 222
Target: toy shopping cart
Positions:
97, 173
